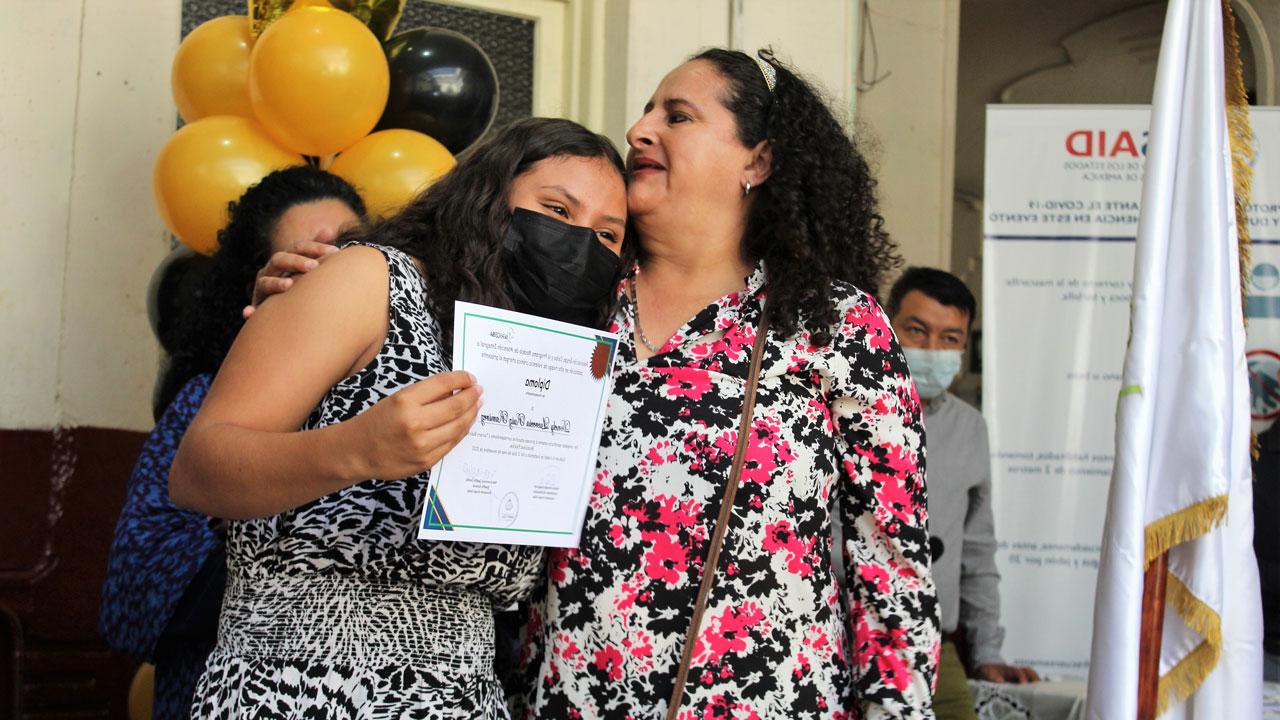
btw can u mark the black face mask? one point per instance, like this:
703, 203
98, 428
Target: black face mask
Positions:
556, 270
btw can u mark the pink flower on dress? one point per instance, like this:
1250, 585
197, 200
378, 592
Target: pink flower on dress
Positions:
817, 639
875, 575
802, 666
674, 515
728, 632
628, 593
780, 536
893, 670
565, 648
817, 410
603, 485
874, 324
665, 559
765, 450
733, 343
702, 451
901, 461
609, 661
557, 563
685, 382
881, 648
660, 454
894, 496
721, 708
640, 644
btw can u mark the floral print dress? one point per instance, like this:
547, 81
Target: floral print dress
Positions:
780, 638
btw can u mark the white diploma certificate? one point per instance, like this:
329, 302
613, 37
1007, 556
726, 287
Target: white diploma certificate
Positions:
524, 473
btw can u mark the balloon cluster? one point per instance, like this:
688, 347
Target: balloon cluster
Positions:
309, 81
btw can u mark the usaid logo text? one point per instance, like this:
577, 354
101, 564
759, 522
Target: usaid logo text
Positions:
1105, 143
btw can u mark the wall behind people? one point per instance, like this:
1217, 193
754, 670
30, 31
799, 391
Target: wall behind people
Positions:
906, 122
86, 108
907, 102
644, 39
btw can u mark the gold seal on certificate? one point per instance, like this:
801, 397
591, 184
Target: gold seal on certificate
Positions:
524, 473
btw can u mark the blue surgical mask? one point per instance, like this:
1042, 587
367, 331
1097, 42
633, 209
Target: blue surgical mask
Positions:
933, 370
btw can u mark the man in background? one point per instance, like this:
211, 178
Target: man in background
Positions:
932, 312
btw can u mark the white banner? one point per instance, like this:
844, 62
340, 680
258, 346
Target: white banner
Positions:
1063, 185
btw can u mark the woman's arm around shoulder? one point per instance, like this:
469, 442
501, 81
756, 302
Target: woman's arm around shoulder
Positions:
243, 455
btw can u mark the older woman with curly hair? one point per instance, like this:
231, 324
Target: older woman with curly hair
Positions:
703, 585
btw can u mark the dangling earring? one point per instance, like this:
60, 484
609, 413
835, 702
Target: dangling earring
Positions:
746, 188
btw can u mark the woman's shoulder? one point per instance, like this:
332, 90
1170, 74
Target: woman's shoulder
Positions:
346, 294
858, 313
846, 294
349, 275
393, 260
358, 256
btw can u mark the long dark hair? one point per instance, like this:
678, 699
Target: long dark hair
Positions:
206, 330
456, 226
815, 220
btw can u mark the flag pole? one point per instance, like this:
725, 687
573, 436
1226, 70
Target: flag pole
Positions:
1150, 634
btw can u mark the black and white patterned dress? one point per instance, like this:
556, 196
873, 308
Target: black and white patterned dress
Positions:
335, 609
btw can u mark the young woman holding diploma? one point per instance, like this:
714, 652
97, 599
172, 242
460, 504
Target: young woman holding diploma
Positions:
336, 399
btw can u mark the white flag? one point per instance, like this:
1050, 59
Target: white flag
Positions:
1182, 479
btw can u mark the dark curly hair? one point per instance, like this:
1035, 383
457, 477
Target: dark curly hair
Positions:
206, 329
456, 226
815, 220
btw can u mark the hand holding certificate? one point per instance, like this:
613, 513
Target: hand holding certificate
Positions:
524, 473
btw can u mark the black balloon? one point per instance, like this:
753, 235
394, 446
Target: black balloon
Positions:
442, 84
173, 292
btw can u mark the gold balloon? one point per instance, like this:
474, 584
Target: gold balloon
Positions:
318, 81
210, 73
389, 168
204, 166
142, 692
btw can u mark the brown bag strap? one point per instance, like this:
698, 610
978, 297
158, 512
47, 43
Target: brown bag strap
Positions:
722, 522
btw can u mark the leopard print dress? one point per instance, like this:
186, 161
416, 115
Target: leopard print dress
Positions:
335, 609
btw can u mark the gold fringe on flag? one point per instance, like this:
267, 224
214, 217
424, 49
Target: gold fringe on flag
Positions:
1183, 679
1241, 137
1182, 526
